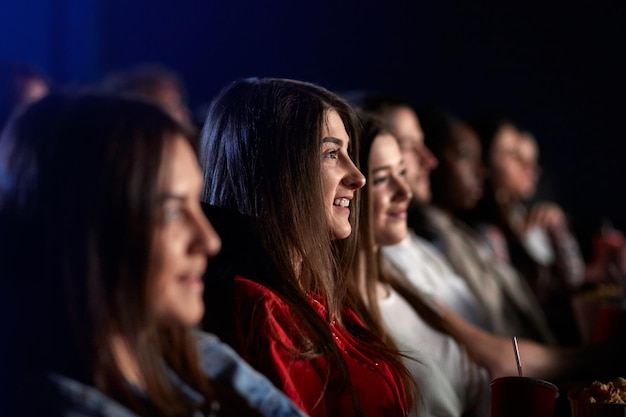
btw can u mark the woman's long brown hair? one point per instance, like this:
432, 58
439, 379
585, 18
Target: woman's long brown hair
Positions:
261, 152
84, 184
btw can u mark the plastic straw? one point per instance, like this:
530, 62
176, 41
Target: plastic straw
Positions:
517, 358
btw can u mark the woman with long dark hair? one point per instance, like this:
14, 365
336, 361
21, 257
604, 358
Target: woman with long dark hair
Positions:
535, 238
277, 158
452, 360
104, 245
452, 384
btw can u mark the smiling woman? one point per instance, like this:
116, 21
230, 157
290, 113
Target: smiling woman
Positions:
181, 225
283, 192
389, 190
340, 178
104, 244
451, 384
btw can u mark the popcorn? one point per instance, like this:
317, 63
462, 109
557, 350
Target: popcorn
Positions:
613, 392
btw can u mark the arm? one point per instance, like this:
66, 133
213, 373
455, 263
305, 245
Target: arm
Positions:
569, 264
496, 352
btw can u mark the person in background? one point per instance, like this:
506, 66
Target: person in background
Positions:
400, 117
415, 256
104, 245
282, 188
447, 355
528, 152
451, 383
457, 187
534, 237
607, 262
464, 280
20, 85
153, 82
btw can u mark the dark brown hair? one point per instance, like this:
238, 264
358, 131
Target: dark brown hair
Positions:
261, 152
374, 271
79, 200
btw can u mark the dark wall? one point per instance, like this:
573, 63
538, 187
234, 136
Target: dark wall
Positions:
557, 67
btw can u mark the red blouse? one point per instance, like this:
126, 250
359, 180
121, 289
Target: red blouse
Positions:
376, 383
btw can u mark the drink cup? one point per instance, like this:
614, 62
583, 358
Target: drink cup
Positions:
586, 309
610, 324
597, 313
519, 396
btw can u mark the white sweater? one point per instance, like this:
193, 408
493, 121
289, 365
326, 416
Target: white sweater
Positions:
450, 382
417, 261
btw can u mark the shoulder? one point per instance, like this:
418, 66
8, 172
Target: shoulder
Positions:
257, 297
220, 362
263, 314
248, 286
67, 397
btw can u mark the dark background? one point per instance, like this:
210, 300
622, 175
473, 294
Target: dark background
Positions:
558, 68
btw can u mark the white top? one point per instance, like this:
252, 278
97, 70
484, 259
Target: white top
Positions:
450, 382
417, 260
537, 243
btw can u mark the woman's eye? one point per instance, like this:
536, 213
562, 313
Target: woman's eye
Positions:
172, 213
464, 153
402, 173
379, 180
334, 154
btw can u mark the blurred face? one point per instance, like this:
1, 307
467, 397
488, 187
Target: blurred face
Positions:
529, 156
169, 97
418, 159
340, 177
507, 169
388, 190
461, 170
34, 90
183, 240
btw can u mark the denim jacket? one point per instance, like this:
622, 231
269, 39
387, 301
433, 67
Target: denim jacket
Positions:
218, 361
221, 363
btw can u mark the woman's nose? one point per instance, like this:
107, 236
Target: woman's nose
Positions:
353, 179
428, 160
481, 171
208, 241
403, 191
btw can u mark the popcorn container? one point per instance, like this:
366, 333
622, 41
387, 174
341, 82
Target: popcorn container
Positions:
581, 407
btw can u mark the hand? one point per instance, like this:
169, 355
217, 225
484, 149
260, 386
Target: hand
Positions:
545, 216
